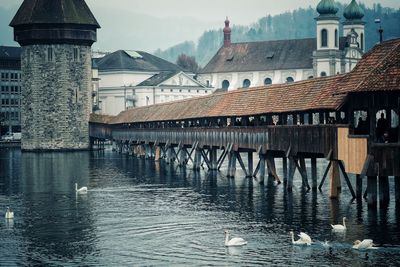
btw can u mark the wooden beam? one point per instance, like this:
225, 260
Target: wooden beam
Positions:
285, 170
250, 163
372, 191
257, 168
261, 166
384, 196
325, 175
272, 168
205, 159
303, 172
334, 180
314, 179
346, 178
241, 163
359, 186
292, 170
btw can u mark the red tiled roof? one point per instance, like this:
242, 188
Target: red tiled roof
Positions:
301, 96
379, 70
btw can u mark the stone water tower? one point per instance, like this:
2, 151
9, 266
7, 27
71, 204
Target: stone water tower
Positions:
56, 38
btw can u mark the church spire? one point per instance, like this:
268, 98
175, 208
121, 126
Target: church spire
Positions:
227, 34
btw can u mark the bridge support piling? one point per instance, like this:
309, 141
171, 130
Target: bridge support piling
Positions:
384, 191
334, 180
170, 155
250, 164
359, 186
285, 170
183, 157
292, 170
272, 168
231, 164
303, 172
314, 174
157, 153
213, 159
262, 169
197, 159
372, 191
397, 189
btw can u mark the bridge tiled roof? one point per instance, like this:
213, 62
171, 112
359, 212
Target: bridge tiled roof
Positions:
379, 70
301, 96
104, 119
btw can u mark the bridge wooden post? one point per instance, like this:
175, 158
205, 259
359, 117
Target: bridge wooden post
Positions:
334, 180
183, 157
292, 170
157, 153
358, 186
170, 154
314, 173
231, 164
250, 164
262, 168
303, 172
285, 170
384, 190
213, 159
197, 159
397, 189
372, 191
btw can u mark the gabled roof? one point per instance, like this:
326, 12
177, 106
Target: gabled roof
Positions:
265, 56
54, 12
378, 70
134, 61
157, 79
10, 52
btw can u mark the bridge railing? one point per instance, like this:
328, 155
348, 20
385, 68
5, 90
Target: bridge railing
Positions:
316, 139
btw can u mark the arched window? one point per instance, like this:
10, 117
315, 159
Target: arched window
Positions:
208, 83
336, 38
246, 83
225, 84
267, 81
324, 38
310, 77
289, 79
362, 41
323, 74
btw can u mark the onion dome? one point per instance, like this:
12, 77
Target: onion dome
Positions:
353, 11
327, 7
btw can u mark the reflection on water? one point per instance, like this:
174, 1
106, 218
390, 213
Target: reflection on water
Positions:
143, 212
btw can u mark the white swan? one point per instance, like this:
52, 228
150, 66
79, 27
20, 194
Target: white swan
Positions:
236, 241
82, 190
304, 239
9, 214
339, 227
365, 244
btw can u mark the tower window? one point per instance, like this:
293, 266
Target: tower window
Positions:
225, 84
246, 83
323, 74
289, 79
267, 81
362, 41
336, 38
324, 38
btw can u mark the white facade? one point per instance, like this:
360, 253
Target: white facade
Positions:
256, 78
114, 99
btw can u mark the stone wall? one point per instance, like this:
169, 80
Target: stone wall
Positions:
56, 97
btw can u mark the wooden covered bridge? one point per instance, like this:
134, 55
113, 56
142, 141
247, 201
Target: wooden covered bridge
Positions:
351, 120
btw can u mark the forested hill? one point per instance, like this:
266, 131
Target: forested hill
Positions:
299, 23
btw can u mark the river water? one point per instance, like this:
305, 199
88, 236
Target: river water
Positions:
144, 213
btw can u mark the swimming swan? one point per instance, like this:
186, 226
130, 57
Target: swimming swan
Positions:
339, 227
304, 239
82, 190
236, 241
365, 244
9, 214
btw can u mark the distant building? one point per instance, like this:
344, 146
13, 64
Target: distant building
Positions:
249, 64
134, 78
10, 94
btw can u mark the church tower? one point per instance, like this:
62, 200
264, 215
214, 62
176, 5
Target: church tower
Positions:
56, 38
227, 34
327, 57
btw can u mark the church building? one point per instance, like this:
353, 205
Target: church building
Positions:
250, 64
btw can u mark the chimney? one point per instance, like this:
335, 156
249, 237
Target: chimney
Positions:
227, 34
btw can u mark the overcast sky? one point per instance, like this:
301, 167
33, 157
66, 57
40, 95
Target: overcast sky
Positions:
152, 24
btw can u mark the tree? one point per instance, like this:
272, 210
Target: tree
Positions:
187, 63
